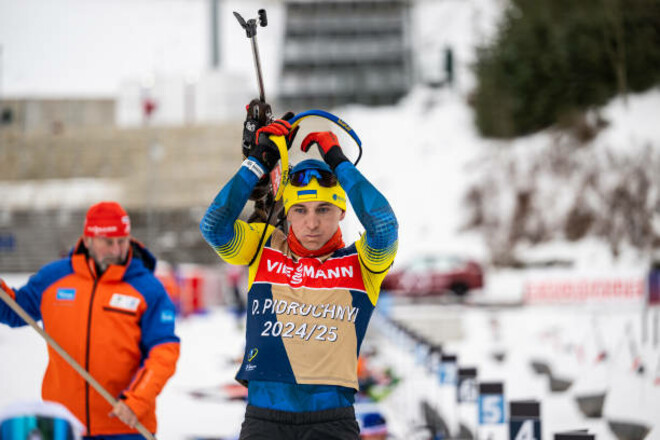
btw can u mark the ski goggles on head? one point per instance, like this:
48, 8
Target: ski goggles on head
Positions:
302, 178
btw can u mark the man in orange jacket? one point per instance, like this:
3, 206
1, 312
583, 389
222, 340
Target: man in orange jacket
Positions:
106, 308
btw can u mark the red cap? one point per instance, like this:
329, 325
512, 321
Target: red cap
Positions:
107, 219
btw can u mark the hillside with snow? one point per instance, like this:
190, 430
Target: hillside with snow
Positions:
427, 157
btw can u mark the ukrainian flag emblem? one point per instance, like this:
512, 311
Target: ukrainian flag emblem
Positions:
307, 194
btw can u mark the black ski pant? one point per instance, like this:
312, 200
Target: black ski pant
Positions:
269, 424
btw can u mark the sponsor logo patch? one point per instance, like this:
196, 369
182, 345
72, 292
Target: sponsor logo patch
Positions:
100, 230
336, 197
253, 354
125, 302
334, 273
66, 294
167, 316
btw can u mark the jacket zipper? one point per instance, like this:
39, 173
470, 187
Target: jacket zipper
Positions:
89, 331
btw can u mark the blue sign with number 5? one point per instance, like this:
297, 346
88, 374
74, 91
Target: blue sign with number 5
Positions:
491, 409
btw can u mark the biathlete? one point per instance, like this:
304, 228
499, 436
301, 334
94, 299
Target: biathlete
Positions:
310, 296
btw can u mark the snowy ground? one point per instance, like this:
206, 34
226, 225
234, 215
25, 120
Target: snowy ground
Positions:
566, 338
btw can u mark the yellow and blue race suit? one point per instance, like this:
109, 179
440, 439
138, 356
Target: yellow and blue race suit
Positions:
307, 317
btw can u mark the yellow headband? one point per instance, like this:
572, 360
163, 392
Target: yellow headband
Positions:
313, 192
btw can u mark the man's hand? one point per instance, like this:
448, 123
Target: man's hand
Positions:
328, 147
125, 414
258, 115
265, 151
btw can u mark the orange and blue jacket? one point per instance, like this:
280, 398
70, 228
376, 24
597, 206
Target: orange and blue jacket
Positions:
119, 326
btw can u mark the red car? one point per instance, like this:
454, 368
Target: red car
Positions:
435, 275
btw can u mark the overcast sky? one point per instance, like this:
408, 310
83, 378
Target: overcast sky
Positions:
87, 47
